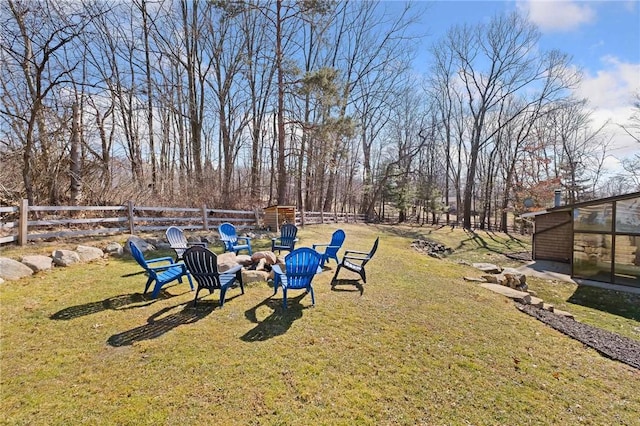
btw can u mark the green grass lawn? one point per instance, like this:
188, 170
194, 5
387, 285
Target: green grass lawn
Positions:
415, 345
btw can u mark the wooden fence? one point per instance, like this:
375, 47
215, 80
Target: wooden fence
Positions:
310, 218
27, 223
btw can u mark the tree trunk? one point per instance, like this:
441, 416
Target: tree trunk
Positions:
76, 166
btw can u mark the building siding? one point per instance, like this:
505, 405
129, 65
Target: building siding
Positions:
553, 237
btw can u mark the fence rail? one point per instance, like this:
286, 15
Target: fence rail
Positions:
28, 223
309, 218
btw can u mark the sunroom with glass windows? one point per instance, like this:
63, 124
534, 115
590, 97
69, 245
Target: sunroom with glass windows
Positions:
604, 235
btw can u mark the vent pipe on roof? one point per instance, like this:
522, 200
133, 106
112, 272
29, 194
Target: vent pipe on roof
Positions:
556, 198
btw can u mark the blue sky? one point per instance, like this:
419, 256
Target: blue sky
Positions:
603, 38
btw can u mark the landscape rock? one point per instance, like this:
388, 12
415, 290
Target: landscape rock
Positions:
13, 270
563, 313
140, 243
518, 296
269, 257
88, 253
65, 257
114, 249
209, 239
38, 262
226, 261
227, 257
432, 248
488, 268
515, 275
475, 279
244, 259
491, 278
537, 302
252, 276
1, 280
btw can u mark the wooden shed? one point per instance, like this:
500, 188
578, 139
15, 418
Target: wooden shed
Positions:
275, 216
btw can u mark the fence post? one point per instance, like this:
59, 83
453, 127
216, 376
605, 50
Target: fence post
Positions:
205, 224
131, 224
322, 216
23, 222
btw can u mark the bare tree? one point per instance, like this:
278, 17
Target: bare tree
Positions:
496, 61
38, 44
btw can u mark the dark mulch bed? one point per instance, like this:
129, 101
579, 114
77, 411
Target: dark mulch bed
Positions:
609, 344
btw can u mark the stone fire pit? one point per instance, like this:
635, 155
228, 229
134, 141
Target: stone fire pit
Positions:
256, 268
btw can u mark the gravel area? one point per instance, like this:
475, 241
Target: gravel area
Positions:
609, 344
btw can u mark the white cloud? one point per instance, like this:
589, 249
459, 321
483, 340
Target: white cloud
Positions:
612, 86
557, 15
610, 92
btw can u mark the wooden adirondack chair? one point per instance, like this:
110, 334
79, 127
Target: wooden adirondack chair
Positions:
331, 249
287, 239
355, 261
179, 242
161, 274
203, 266
301, 265
230, 239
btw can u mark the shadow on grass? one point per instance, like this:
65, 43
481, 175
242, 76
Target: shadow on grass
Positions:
513, 240
157, 327
116, 303
414, 233
480, 242
622, 304
355, 285
277, 322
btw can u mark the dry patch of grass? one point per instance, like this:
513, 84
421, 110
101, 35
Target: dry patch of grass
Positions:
415, 345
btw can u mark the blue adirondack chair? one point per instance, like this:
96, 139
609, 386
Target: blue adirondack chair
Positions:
301, 265
179, 242
331, 249
287, 239
161, 274
355, 261
230, 239
203, 266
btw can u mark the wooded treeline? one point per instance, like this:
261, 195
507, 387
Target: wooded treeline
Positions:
313, 103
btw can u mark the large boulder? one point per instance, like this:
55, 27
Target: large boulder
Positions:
269, 257
227, 257
13, 270
114, 249
88, 253
489, 268
244, 259
38, 262
516, 277
140, 243
226, 261
65, 257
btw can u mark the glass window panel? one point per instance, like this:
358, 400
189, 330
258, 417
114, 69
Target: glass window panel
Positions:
593, 218
628, 215
592, 256
627, 263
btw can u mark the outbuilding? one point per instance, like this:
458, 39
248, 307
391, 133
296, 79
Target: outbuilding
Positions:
275, 216
599, 238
